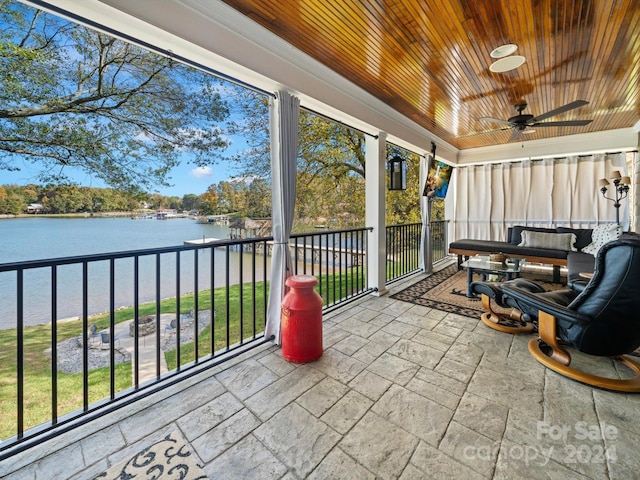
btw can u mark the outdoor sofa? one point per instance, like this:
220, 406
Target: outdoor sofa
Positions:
551, 246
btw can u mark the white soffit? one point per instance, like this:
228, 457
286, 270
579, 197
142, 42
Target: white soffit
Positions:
213, 34
584, 143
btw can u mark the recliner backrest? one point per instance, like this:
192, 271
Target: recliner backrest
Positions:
612, 300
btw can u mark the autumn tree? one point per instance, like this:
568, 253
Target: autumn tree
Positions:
331, 167
75, 98
209, 201
258, 204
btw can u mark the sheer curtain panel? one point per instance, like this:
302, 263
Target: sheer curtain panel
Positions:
542, 193
284, 110
426, 257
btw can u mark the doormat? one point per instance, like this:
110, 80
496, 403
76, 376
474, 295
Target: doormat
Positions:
446, 290
169, 459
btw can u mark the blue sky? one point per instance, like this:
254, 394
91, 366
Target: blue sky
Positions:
186, 178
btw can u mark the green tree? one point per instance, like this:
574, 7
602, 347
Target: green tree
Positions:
14, 204
64, 199
175, 203
258, 199
72, 97
11, 202
226, 202
191, 201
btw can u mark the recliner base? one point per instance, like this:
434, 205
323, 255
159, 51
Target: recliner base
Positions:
513, 324
630, 385
503, 325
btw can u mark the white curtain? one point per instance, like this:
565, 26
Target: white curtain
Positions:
543, 193
284, 111
426, 259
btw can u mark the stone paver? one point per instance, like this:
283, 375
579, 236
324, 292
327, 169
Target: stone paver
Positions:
297, 438
379, 446
401, 391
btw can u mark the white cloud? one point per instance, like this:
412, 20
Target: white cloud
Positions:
202, 172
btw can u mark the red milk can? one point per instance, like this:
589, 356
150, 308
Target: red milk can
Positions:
301, 320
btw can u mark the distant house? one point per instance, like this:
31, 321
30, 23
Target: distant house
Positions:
35, 208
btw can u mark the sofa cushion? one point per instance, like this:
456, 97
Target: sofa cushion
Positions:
554, 241
515, 233
490, 246
583, 236
602, 234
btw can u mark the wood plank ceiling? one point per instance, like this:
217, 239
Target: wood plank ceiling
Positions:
429, 59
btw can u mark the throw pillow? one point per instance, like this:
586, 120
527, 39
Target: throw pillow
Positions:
551, 241
516, 232
602, 234
583, 236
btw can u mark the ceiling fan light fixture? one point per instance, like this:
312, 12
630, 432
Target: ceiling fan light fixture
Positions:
506, 64
503, 50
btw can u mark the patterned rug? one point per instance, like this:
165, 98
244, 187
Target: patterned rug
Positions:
168, 459
446, 290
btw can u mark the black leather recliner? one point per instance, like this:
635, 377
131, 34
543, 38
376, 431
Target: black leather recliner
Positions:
603, 319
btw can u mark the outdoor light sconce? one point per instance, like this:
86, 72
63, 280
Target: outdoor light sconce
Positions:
397, 173
621, 190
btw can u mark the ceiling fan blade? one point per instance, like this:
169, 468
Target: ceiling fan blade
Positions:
517, 133
496, 120
559, 110
563, 123
475, 134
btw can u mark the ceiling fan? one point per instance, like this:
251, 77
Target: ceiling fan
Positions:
520, 122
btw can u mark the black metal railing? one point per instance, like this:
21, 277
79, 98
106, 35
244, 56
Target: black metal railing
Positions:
439, 242
187, 305
403, 250
403, 247
338, 258
184, 307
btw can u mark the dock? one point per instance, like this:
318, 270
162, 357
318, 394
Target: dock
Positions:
202, 241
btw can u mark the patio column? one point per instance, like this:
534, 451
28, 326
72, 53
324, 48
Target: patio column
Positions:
375, 168
284, 110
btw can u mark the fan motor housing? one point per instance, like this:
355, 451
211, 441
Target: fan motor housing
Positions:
521, 119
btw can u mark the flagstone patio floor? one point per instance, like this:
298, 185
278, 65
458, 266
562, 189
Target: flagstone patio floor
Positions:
401, 391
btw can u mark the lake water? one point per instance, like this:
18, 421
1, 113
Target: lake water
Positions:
43, 238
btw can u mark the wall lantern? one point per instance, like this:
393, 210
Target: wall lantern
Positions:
397, 173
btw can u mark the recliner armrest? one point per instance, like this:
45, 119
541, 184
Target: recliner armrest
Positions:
578, 285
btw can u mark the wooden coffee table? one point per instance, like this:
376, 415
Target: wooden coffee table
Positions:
482, 265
